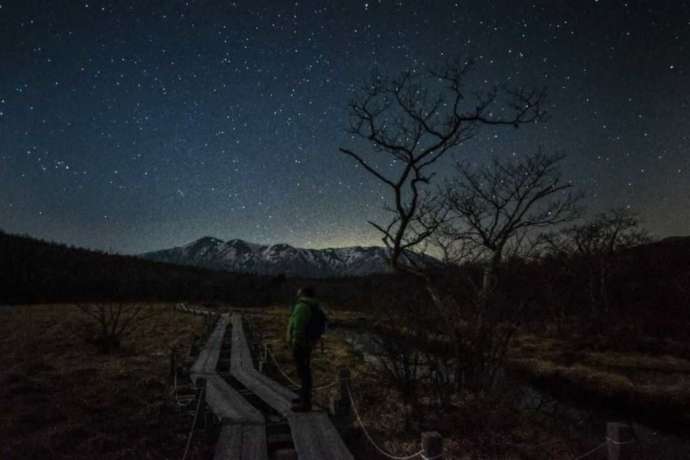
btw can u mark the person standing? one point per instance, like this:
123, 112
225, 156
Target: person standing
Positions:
301, 338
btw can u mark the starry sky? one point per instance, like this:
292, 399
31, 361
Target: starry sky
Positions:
138, 125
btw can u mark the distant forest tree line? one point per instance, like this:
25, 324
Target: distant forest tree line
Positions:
34, 271
581, 274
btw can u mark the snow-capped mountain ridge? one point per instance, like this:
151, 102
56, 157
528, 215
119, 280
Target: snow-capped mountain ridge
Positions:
242, 256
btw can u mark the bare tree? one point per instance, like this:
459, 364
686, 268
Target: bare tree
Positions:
415, 119
490, 210
497, 205
452, 248
401, 127
596, 243
606, 234
115, 321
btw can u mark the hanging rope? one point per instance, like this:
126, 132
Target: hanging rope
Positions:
373, 443
603, 444
618, 443
586, 454
292, 382
275, 361
324, 387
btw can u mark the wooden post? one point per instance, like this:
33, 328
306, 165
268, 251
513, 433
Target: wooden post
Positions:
341, 406
266, 357
620, 438
432, 445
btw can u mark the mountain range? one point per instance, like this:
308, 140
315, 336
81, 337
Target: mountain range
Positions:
241, 256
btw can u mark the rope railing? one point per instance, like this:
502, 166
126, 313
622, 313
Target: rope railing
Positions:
280, 369
590, 452
604, 444
618, 443
418, 454
292, 382
421, 454
374, 444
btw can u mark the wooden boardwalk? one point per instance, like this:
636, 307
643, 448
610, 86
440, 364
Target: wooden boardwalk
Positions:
207, 361
313, 434
243, 432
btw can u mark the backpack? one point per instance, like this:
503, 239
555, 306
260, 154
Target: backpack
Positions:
317, 325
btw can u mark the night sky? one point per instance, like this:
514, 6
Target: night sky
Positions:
139, 125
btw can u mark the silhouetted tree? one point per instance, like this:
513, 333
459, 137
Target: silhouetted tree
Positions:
409, 123
498, 205
490, 210
596, 243
412, 121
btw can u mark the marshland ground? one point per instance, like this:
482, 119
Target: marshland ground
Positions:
63, 398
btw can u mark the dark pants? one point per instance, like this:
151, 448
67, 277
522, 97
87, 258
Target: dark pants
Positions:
302, 355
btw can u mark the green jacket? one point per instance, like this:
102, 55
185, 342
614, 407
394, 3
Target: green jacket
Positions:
297, 325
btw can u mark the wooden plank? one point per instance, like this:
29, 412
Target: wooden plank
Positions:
241, 360
254, 446
242, 368
266, 392
207, 361
229, 445
283, 391
243, 435
315, 437
227, 404
241, 356
241, 442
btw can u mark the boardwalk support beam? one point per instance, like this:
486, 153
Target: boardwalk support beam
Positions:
264, 360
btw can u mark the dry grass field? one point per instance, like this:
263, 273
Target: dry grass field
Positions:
61, 398
481, 429
472, 427
653, 383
